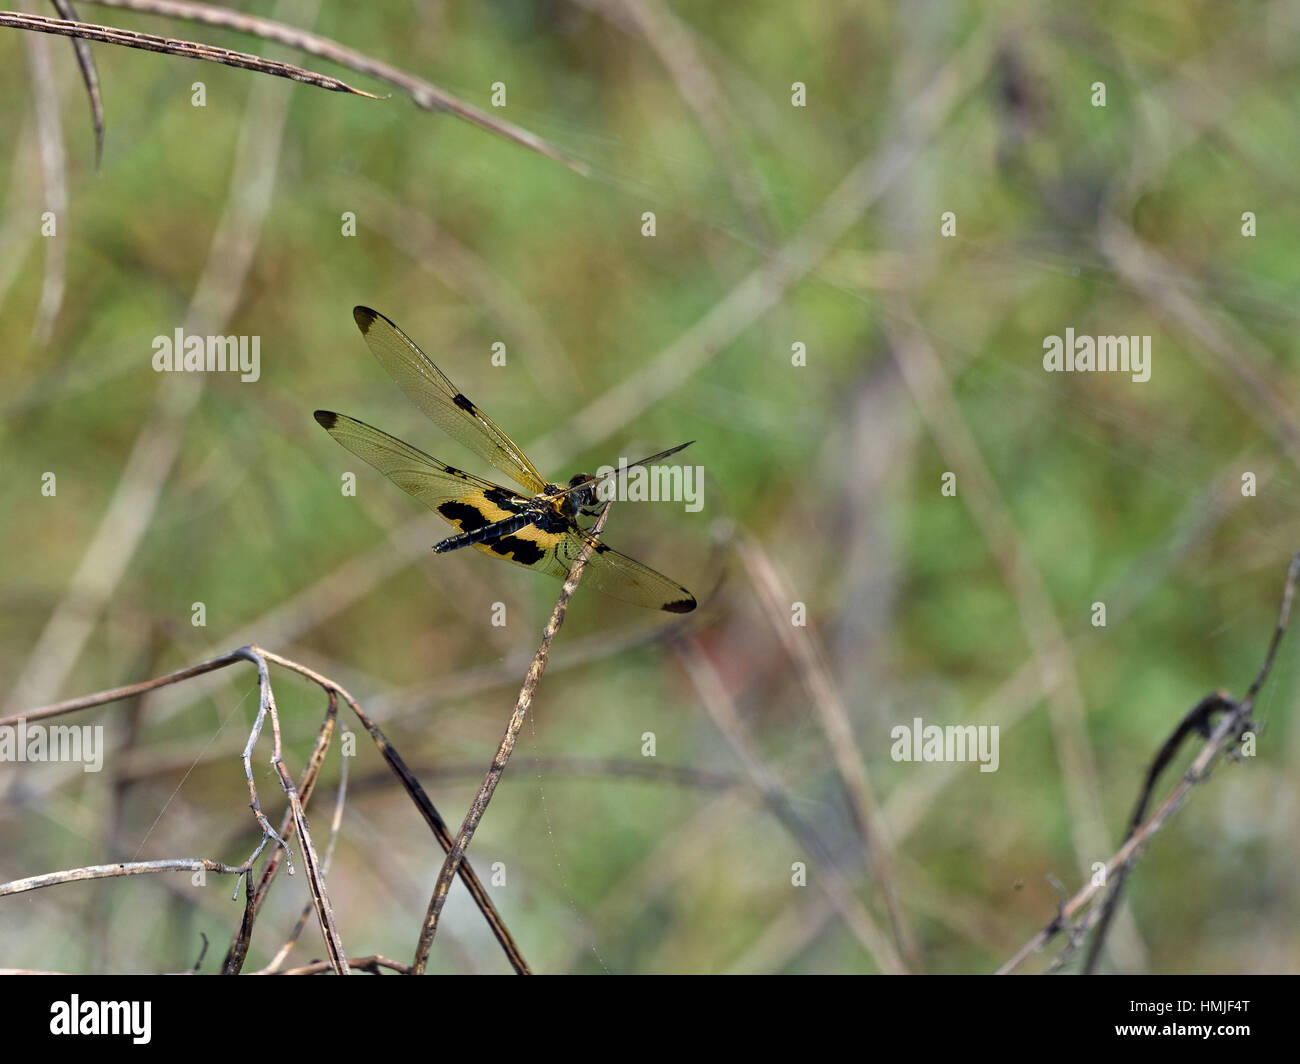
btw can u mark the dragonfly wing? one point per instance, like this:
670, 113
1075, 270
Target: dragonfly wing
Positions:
442, 488
428, 387
615, 574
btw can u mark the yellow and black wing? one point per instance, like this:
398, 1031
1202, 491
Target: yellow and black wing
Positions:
443, 488
468, 502
615, 574
428, 387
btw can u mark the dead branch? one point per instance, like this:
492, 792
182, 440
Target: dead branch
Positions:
294, 818
1235, 723
149, 42
424, 94
525, 700
89, 77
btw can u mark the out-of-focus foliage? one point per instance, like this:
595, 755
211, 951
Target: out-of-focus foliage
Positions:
1073, 489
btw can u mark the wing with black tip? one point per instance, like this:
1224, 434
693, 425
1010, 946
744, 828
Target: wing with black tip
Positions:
428, 387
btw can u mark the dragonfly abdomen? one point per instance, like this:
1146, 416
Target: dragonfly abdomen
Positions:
486, 534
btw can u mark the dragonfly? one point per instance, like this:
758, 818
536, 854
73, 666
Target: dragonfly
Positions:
537, 528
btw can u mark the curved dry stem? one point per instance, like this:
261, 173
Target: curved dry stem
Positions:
89, 77
315, 880
294, 818
1236, 721
336, 825
427, 809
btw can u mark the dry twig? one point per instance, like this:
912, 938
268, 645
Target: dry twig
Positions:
150, 42
522, 704
295, 816
424, 94
1234, 724
89, 76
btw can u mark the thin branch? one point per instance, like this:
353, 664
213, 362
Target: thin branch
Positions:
234, 961
1283, 616
315, 880
336, 826
427, 809
198, 963
238, 951
1220, 738
524, 702
1236, 723
148, 42
310, 774
116, 694
1199, 720
114, 871
374, 964
89, 77
239, 946
424, 94
265, 706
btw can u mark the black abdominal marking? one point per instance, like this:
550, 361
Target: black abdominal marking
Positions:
463, 516
524, 550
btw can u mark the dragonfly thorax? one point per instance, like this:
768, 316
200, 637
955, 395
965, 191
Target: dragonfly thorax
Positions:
584, 496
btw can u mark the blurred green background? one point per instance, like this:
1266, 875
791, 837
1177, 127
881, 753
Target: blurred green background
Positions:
775, 224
